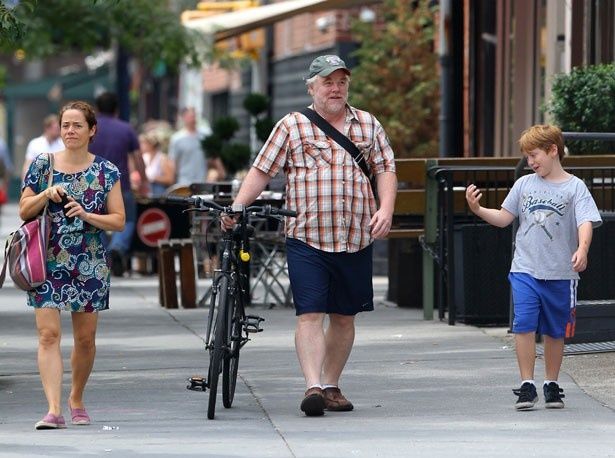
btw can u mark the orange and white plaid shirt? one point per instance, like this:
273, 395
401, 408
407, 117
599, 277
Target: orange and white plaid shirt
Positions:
331, 195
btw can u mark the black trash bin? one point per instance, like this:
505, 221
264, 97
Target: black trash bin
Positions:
405, 273
482, 263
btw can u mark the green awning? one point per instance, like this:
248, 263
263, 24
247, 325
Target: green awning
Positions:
82, 85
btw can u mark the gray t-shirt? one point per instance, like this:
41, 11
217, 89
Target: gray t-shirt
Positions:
185, 149
549, 216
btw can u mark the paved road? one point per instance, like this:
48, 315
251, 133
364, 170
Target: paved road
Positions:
419, 388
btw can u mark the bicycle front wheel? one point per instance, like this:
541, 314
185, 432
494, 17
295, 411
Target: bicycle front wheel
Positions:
231, 361
218, 340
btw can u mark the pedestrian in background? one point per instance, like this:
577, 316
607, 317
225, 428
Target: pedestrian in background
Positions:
187, 153
557, 215
329, 242
117, 142
78, 277
48, 142
159, 168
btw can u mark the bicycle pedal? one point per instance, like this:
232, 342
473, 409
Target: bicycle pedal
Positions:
197, 383
252, 323
252, 318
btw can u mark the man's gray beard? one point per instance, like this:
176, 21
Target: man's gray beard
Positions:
329, 107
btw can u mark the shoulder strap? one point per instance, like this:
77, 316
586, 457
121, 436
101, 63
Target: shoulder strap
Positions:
50, 178
338, 137
5, 262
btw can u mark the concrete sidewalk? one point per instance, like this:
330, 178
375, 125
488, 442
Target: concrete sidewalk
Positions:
419, 388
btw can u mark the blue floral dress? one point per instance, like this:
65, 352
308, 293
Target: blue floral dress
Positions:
78, 274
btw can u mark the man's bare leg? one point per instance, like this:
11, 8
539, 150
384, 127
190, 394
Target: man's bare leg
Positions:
339, 339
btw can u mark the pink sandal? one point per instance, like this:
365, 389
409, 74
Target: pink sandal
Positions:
51, 421
79, 416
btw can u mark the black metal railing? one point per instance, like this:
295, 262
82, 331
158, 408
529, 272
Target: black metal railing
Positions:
495, 183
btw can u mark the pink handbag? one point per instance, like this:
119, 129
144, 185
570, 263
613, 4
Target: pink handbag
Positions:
25, 251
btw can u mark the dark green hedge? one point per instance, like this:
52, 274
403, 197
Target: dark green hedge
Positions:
584, 101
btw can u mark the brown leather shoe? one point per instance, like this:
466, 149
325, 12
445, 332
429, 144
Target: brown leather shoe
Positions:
335, 400
314, 403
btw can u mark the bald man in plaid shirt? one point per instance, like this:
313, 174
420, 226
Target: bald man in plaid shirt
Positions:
329, 242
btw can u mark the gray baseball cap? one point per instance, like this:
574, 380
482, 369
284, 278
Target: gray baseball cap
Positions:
325, 65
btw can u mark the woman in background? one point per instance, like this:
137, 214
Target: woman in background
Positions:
159, 168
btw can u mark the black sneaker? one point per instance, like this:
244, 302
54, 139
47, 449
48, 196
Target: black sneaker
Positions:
527, 396
553, 396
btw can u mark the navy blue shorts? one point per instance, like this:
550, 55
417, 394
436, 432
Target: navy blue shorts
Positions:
544, 306
324, 282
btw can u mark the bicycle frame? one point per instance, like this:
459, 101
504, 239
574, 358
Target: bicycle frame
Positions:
231, 267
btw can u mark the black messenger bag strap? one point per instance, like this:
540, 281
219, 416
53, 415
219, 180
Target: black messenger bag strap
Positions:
339, 138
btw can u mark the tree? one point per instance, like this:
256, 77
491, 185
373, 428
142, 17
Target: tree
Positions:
11, 29
145, 28
397, 76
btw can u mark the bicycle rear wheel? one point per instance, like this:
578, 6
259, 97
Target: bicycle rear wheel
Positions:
231, 360
218, 340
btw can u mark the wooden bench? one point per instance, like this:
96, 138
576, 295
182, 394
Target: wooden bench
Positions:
409, 213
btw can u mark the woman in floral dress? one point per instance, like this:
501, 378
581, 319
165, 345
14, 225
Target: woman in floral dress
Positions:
78, 272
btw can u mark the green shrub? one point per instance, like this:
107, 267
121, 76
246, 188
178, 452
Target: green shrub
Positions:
263, 128
225, 127
256, 103
212, 145
584, 101
235, 156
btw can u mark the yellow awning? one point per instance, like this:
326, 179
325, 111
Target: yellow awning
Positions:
227, 25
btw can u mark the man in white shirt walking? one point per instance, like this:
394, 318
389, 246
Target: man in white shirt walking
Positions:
49, 142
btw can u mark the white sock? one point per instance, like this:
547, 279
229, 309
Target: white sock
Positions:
549, 381
317, 385
528, 381
324, 387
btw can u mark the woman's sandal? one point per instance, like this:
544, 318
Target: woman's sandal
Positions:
79, 416
51, 421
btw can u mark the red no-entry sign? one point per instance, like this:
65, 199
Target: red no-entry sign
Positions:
153, 225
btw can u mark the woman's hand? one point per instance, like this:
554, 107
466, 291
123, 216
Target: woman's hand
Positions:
74, 209
54, 193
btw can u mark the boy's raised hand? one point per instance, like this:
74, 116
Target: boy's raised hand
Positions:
473, 196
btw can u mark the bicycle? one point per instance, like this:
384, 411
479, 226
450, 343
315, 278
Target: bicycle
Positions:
228, 326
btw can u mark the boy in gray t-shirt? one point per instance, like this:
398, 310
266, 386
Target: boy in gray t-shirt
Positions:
557, 215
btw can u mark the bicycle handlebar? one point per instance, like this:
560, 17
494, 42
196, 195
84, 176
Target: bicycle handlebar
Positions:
200, 204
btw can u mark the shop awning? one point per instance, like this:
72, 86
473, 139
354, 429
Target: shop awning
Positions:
81, 85
227, 25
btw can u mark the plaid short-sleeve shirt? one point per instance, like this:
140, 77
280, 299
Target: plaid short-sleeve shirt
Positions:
333, 198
